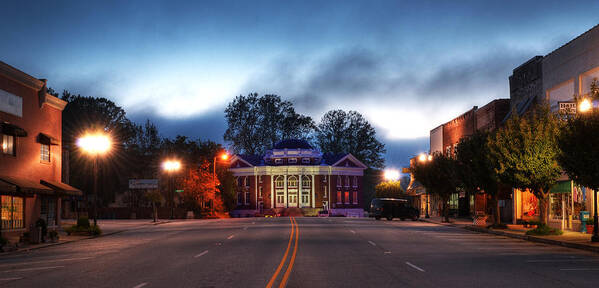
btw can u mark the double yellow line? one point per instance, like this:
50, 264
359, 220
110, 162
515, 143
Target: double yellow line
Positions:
283, 283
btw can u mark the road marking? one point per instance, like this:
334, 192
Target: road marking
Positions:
201, 254
352, 231
387, 252
415, 267
141, 285
371, 243
290, 267
504, 248
10, 279
274, 276
32, 269
46, 261
230, 237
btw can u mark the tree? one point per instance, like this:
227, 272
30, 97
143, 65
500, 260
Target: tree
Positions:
578, 142
439, 176
256, 123
349, 132
390, 189
199, 188
525, 154
476, 170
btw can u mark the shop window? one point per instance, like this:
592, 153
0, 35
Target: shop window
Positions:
354, 197
48, 210
8, 144
45, 153
12, 212
339, 200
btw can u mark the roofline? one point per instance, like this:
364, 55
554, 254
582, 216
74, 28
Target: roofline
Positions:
352, 157
21, 77
237, 157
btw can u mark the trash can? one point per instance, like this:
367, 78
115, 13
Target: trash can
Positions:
584, 217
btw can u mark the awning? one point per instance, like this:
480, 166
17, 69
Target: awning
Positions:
11, 129
62, 188
23, 186
562, 187
47, 139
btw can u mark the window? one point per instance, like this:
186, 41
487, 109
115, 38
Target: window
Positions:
246, 183
324, 179
339, 200
8, 144
346, 198
279, 182
306, 182
45, 153
12, 212
324, 189
292, 182
260, 178
292, 160
448, 150
346, 181
239, 181
260, 192
239, 198
354, 197
355, 181
338, 181
48, 210
247, 197
280, 198
305, 160
278, 161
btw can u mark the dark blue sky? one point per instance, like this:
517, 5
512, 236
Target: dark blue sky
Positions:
407, 66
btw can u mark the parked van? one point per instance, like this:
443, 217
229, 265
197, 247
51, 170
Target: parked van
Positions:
392, 208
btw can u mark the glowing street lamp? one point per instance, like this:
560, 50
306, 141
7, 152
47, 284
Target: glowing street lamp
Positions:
585, 105
391, 175
423, 158
223, 157
95, 144
171, 166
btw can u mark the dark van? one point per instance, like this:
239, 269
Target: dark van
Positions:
392, 208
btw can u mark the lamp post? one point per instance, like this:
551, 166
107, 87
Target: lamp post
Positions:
423, 158
94, 145
586, 106
224, 157
171, 166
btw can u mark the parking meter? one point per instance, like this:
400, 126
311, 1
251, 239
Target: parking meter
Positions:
584, 217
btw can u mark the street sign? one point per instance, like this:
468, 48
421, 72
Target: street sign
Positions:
568, 108
143, 183
179, 191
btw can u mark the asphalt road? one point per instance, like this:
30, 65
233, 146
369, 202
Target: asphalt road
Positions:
320, 252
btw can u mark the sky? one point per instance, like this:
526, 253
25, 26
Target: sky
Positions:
407, 66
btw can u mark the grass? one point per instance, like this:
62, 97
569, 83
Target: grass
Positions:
544, 230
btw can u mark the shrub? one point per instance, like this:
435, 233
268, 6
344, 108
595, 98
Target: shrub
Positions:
83, 222
95, 230
53, 235
543, 230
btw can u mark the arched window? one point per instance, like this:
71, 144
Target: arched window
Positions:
339, 181
279, 182
355, 181
306, 181
292, 182
346, 181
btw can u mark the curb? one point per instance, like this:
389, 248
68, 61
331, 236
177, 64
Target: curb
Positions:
521, 237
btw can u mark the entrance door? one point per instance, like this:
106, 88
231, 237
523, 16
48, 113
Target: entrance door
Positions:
305, 199
325, 205
292, 200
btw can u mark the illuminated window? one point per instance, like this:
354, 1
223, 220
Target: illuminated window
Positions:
279, 182
339, 200
354, 197
346, 198
8, 144
45, 153
12, 212
306, 182
292, 182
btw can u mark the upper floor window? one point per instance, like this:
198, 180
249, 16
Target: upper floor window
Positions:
292, 160
292, 181
260, 178
355, 181
8, 144
306, 182
279, 183
246, 183
305, 160
346, 181
45, 153
278, 161
339, 181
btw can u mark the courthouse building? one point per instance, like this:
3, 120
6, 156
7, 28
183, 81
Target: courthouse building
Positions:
30, 153
296, 175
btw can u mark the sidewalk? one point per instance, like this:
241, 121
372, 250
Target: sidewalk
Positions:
109, 227
569, 239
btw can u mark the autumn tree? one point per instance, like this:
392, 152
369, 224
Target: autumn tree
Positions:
199, 188
525, 153
389, 189
349, 132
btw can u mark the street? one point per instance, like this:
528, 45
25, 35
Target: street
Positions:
329, 252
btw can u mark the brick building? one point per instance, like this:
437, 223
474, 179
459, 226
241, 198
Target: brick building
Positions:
30, 153
295, 175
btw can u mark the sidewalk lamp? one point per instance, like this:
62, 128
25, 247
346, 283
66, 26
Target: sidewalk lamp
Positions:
586, 106
424, 158
391, 175
224, 156
171, 166
95, 144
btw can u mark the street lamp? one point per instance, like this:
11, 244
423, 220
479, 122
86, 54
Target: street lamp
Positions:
223, 157
585, 105
95, 144
391, 175
423, 158
171, 166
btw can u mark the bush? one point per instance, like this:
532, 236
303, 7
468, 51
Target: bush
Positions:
95, 230
591, 221
83, 222
53, 235
544, 230
91, 230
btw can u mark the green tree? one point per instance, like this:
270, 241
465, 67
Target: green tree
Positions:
349, 132
578, 142
256, 123
439, 176
525, 154
476, 170
390, 189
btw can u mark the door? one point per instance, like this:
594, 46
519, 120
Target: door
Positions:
292, 201
325, 205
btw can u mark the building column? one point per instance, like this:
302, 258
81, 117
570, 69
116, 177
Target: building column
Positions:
285, 203
272, 192
256, 181
313, 186
300, 191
